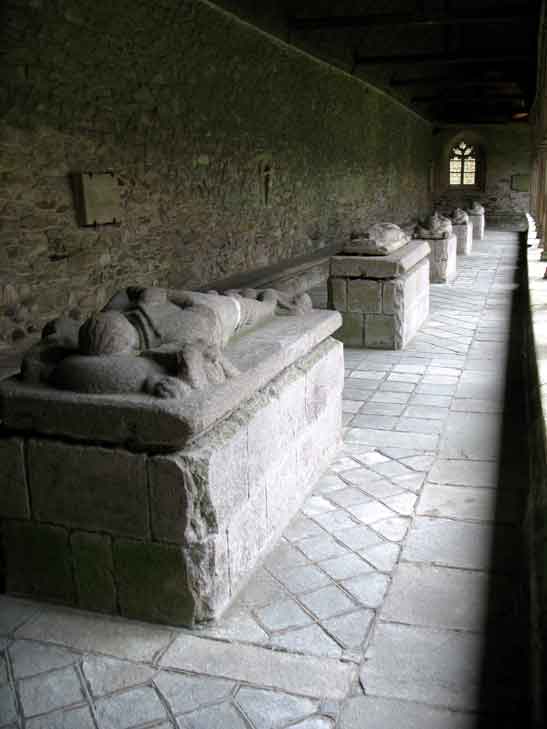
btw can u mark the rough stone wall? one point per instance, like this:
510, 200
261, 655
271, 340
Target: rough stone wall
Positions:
233, 151
507, 152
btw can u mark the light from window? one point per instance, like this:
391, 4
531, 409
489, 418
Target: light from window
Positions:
463, 165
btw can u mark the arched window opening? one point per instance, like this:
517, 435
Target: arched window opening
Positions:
463, 165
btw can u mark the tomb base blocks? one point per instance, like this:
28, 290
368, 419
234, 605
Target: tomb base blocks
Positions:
478, 223
383, 299
443, 259
464, 237
170, 534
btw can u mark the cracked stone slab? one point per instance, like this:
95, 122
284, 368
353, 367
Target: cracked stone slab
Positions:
30, 658
186, 693
269, 709
116, 637
14, 612
105, 675
79, 718
305, 675
50, 691
131, 708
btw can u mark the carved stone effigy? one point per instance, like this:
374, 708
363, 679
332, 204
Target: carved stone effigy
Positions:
477, 218
437, 231
380, 285
463, 230
154, 454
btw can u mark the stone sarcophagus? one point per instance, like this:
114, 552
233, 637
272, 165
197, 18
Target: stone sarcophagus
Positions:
153, 455
437, 231
477, 218
463, 230
380, 285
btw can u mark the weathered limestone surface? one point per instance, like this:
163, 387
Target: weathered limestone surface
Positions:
197, 203
13, 484
396, 264
383, 299
443, 259
142, 421
477, 220
172, 536
464, 237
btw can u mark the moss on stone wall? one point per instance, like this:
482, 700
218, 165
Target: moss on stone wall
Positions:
232, 149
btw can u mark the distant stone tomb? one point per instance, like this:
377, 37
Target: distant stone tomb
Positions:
380, 285
463, 230
477, 218
154, 454
437, 231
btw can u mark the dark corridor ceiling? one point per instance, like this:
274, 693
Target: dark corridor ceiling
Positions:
452, 61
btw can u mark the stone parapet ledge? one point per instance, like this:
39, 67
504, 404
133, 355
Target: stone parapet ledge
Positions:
536, 517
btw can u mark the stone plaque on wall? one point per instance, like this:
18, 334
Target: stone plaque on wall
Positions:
99, 198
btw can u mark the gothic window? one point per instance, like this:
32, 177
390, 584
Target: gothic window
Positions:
463, 165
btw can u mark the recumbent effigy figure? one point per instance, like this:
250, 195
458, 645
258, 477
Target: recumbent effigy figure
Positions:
164, 342
381, 239
460, 217
476, 209
436, 226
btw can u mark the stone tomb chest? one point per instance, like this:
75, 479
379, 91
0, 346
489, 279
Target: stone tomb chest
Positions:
477, 218
437, 232
384, 296
463, 230
158, 505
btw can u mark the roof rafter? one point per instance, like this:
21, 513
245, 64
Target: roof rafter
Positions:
342, 22
442, 59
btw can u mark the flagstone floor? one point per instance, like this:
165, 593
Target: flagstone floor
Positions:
394, 599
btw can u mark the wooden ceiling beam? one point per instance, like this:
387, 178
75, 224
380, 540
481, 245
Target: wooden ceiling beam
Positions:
513, 14
448, 98
452, 82
440, 59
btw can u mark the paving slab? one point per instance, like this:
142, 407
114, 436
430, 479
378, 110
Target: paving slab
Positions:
437, 667
372, 712
450, 543
305, 675
84, 632
432, 596
375, 561
472, 435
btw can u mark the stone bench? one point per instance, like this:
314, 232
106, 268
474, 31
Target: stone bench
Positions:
160, 509
383, 299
